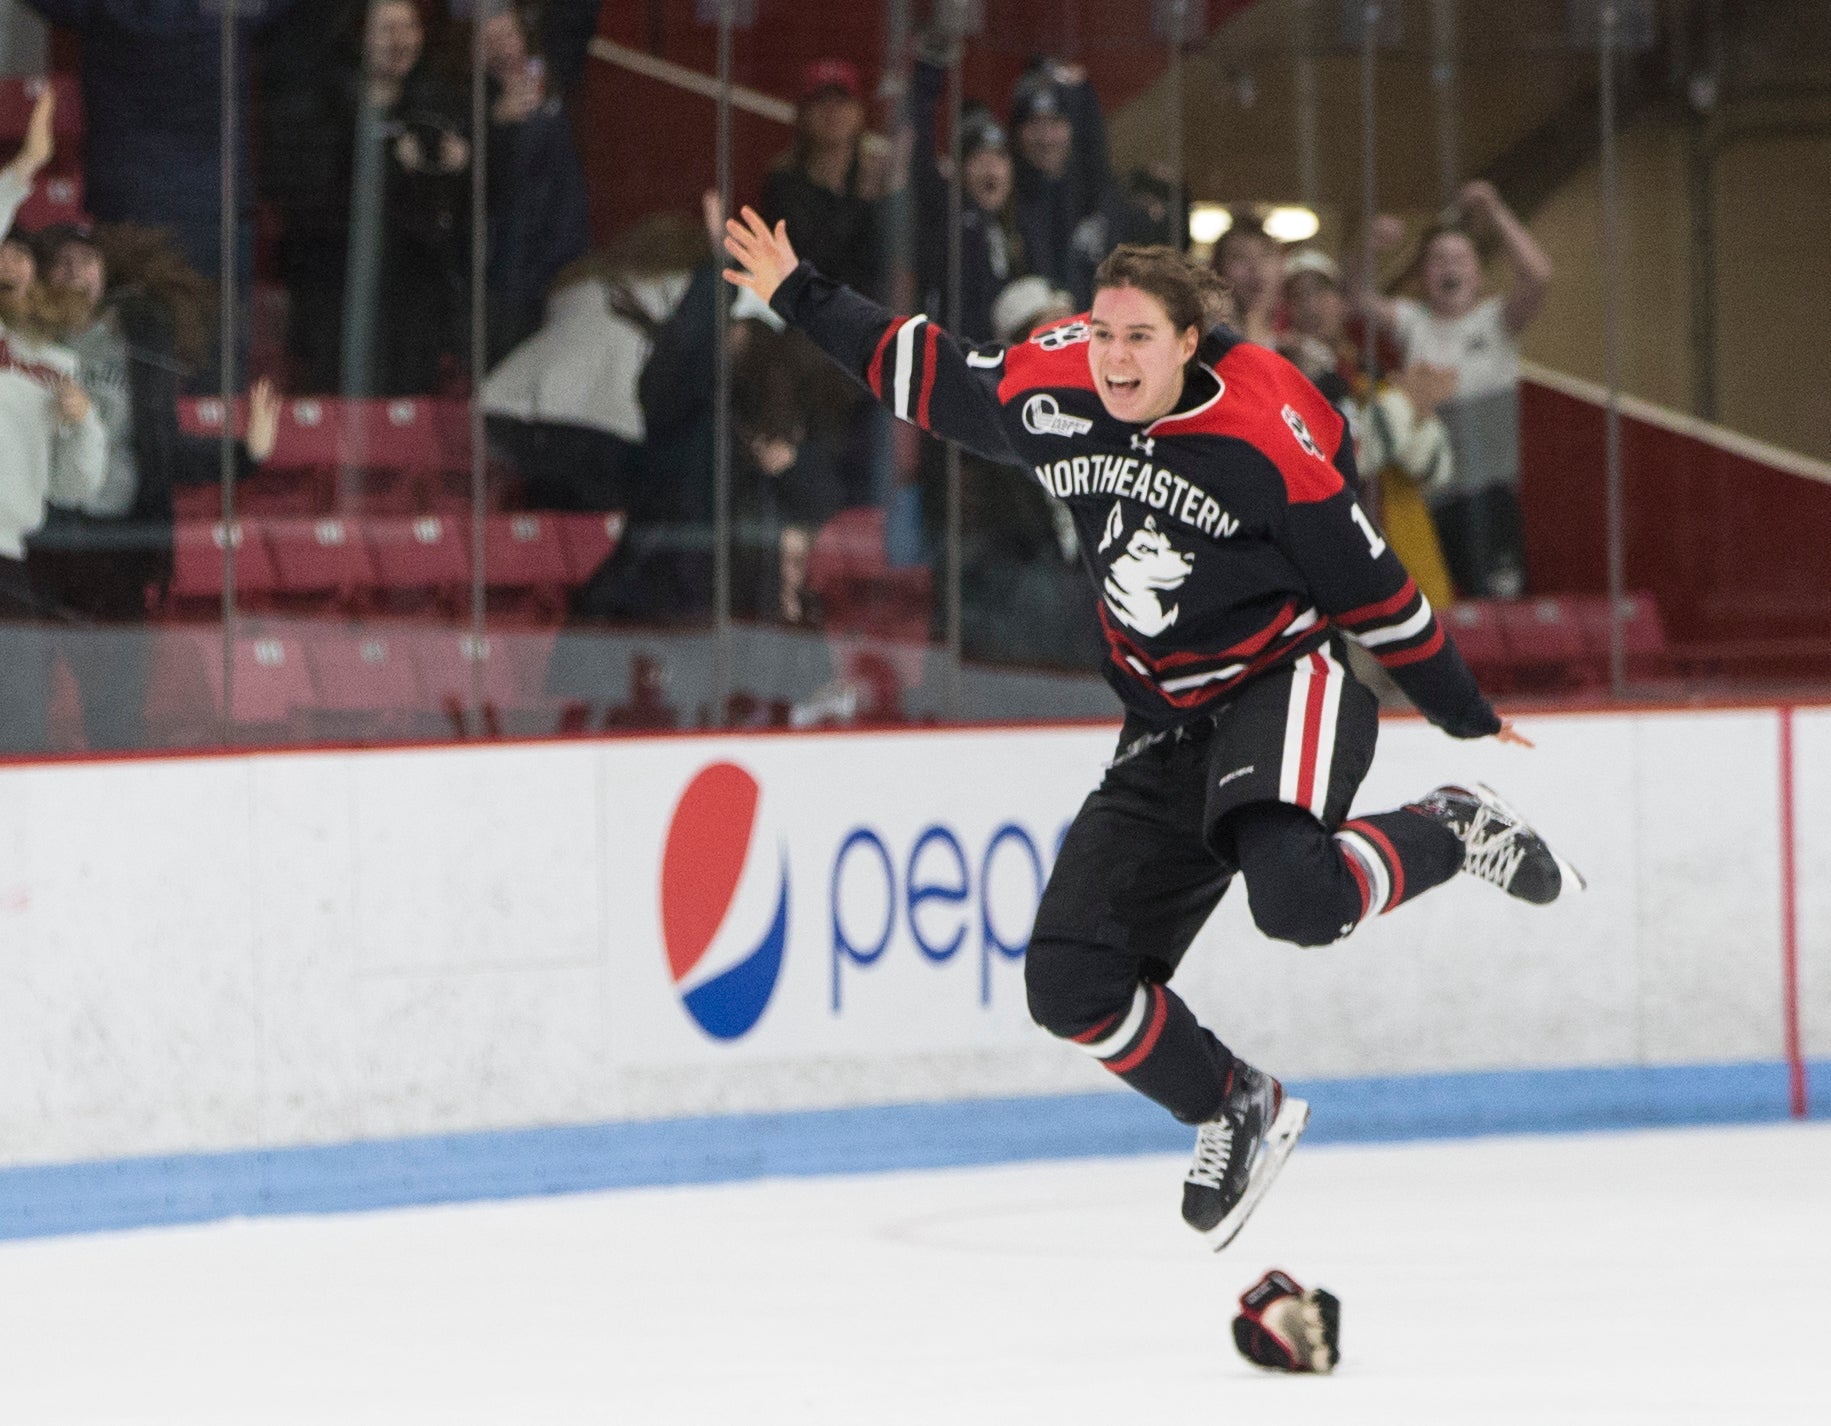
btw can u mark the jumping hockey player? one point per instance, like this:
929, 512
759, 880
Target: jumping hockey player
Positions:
1213, 489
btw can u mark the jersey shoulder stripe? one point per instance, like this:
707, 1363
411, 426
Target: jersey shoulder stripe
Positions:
1051, 358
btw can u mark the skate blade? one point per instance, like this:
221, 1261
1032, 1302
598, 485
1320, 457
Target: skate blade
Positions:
1274, 1149
1565, 869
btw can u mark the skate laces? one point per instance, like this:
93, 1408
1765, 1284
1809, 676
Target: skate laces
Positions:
1213, 1152
1493, 849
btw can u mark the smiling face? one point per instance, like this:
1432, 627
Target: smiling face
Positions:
1452, 275
1137, 355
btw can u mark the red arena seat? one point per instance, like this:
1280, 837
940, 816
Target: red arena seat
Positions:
1544, 641
421, 552
272, 682
363, 672
588, 541
1643, 633
55, 198
19, 95
197, 547
1475, 627
524, 552
320, 557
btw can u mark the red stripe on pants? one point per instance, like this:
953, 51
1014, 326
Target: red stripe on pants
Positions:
1312, 729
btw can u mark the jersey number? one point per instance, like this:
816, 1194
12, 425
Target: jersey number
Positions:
1375, 545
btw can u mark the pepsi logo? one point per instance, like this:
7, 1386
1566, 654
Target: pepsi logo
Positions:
724, 902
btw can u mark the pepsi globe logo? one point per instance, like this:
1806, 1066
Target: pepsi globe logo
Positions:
724, 902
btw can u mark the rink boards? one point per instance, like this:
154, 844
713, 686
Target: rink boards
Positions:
258, 953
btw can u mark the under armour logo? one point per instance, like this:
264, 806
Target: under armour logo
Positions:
1147, 444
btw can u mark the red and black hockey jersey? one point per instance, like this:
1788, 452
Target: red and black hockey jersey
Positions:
1224, 539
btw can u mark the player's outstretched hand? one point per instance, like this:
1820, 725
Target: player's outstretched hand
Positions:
1509, 734
767, 257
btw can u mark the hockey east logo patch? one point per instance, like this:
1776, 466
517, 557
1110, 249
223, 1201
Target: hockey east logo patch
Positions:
1149, 567
1043, 417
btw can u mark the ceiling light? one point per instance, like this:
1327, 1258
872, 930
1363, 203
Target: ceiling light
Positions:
1207, 221
1292, 225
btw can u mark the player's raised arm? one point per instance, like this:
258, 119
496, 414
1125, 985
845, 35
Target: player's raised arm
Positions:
907, 363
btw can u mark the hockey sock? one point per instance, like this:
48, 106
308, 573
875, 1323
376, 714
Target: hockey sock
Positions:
1394, 856
1159, 1048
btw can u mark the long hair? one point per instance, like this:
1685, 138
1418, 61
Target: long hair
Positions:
45, 312
146, 261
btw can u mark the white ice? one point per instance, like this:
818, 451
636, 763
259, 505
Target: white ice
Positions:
1662, 1277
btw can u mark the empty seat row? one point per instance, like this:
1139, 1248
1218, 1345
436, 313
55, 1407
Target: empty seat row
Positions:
361, 681
1556, 642
326, 557
405, 433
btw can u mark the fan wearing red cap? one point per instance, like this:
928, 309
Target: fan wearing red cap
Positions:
826, 187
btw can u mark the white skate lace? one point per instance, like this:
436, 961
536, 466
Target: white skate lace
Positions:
1493, 855
1213, 1152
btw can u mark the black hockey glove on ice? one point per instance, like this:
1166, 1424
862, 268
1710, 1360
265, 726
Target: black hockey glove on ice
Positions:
1287, 1329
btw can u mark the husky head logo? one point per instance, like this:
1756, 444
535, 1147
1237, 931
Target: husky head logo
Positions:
1150, 565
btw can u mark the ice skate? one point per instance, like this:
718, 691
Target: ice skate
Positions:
1498, 845
1238, 1154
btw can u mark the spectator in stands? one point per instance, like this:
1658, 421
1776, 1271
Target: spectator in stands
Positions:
52, 446
141, 317
1070, 212
828, 187
1251, 262
787, 480
538, 212
377, 239
1401, 447
562, 407
991, 252
1455, 326
794, 434
152, 103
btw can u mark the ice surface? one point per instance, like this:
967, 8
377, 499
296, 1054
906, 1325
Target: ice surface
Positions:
1662, 1277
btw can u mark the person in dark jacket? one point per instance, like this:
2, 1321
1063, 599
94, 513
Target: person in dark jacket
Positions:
377, 218
828, 187
108, 563
152, 114
538, 209
991, 250
1070, 211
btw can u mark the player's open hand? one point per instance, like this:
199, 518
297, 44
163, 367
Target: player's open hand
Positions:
1509, 734
767, 257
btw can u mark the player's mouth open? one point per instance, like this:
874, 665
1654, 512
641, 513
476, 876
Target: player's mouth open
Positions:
1122, 383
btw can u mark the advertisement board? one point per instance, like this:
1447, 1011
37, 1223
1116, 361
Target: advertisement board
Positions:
312, 948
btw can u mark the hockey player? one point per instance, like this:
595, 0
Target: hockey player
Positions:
1213, 489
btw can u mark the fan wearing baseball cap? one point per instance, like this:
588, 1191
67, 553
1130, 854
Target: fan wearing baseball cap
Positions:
827, 186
